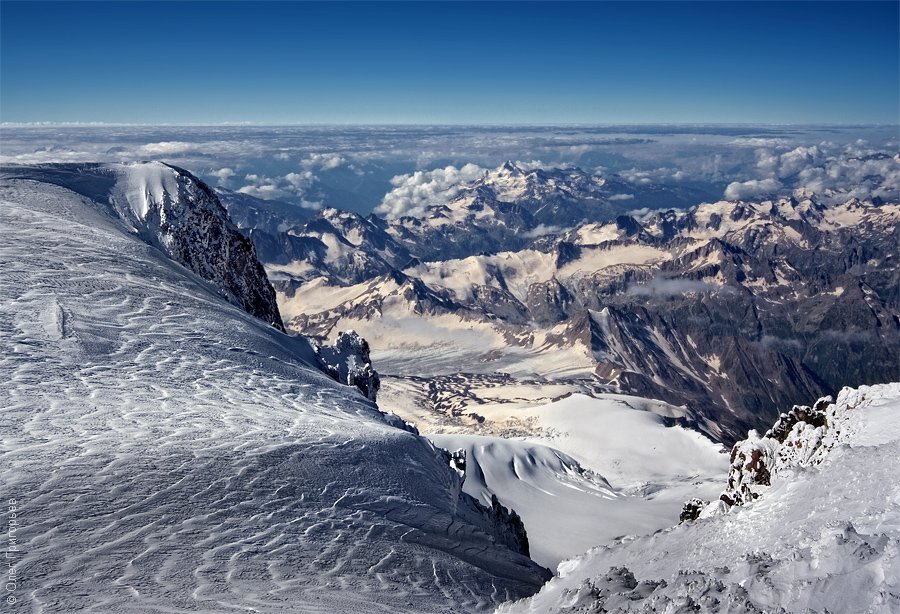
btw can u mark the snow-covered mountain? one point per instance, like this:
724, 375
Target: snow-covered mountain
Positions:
820, 536
505, 209
733, 308
168, 449
169, 208
160, 420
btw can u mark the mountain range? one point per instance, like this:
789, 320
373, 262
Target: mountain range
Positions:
732, 309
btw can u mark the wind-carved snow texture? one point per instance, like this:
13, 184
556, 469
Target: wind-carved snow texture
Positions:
169, 208
823, 536
348, 362
170, 452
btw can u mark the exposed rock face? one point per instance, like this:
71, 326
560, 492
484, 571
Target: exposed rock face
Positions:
173, 210
458, 462
505, 523
194, 228
348, 362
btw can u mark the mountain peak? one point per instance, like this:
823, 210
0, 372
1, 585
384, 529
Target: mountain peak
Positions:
509, 168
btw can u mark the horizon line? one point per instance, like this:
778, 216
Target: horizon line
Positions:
78, 124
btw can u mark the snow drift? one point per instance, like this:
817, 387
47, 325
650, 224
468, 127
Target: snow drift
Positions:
170, 452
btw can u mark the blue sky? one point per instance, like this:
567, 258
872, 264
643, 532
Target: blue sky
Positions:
537, 63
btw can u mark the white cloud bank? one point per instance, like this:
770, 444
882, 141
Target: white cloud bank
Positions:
413, 193
659, 286
223, 174
742, 190
292, 187
322, 161
166, 148
832, 174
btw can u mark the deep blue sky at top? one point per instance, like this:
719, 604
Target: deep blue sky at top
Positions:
211, 62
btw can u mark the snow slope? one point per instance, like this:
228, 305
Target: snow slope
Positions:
169, 452
169, 208
823, 537
557, 479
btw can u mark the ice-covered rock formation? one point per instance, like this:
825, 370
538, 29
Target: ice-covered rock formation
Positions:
799, 438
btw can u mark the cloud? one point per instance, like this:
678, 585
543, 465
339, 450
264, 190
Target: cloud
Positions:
540, 164
741, 190
322, 161
660, 286
798, 159
833, 174
854, 336
854, 162
758, 142
542, 229
413, 193
648, 176
223, 174
621, 197
301, 181
644, 213
640, 214
780, 344
293, 187
166, 148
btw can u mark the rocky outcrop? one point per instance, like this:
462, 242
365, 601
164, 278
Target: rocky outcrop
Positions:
506, 524
801, 437
191, 225
692, 509
348, 362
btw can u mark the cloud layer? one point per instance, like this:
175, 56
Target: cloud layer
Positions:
402, 170
659, 286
